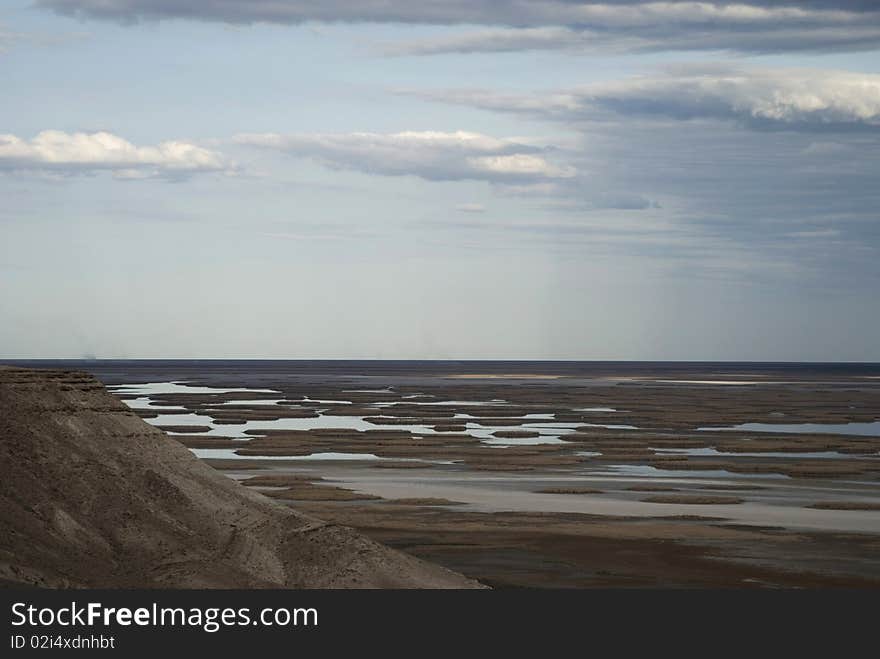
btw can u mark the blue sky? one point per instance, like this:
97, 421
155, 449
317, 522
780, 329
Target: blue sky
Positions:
534, 180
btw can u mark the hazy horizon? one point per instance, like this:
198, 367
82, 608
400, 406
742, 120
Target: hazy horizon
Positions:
544, 180
686, 364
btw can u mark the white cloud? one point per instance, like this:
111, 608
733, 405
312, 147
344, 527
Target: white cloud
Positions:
87, 153
817, 234
825, 149
519, 165
471, 208
8, 38
431, 155
784, 98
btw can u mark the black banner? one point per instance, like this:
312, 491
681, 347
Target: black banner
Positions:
419, 621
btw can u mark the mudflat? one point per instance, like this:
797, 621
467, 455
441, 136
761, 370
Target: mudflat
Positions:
553, 474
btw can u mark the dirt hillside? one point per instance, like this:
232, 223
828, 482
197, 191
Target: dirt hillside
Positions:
92, 496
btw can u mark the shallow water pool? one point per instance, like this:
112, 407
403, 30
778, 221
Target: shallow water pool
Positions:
871, 429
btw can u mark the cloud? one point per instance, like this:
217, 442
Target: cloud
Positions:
9, 38
746, 26
12, 39
63, 153
803, 99
471, 208
817, 233
431, 155
514, 13
771, 39
714, 165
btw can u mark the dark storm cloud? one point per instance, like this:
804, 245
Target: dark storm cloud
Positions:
749, 26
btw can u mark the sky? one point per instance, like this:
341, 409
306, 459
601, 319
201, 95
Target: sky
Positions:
455, 179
